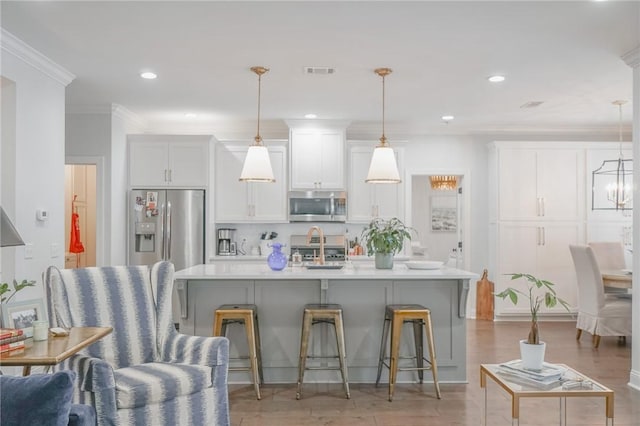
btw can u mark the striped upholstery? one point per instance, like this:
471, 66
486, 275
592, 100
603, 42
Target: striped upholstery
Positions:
144, 373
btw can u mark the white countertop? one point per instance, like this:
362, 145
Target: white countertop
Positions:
358, 271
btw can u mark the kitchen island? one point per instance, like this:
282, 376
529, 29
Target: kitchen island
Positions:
362, 290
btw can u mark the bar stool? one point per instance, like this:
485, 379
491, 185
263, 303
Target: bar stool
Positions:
248, 316
394, 317
322, 314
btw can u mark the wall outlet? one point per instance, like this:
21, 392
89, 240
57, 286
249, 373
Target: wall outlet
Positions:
56, 251
28, 251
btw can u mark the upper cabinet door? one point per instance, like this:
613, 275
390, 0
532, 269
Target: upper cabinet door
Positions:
317, 159
188, 164
237, 201
148, 164
560, 189
231, 195
539, 184
168, 161
517, 173
270, 199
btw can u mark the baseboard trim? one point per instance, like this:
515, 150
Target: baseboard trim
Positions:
634, 379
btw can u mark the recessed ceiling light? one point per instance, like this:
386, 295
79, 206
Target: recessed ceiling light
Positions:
496, 78
310, 116
190, 115
447, 118
148, 75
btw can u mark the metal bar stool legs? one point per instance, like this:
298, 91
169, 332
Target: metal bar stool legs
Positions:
395, 317
327, 314
247, 315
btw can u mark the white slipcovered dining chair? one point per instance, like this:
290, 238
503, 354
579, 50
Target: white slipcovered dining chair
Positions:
598, 314
610, 256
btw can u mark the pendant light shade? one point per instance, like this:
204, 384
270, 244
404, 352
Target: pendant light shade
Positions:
612, 182
383, 167
257, 163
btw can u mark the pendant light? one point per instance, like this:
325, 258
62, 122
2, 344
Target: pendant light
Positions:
614, 177
257, 164
383, 167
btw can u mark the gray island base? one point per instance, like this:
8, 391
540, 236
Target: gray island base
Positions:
363, 292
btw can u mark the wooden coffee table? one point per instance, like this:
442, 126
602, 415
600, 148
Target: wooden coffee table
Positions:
517, 391
54, 350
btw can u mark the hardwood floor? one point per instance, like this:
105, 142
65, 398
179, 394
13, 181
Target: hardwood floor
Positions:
414, 404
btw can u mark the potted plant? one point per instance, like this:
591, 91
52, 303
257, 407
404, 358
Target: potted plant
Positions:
384, 238
17, 286
538, 292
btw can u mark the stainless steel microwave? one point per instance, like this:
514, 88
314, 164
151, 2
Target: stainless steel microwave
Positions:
317, 206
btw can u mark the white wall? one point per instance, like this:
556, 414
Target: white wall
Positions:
39, 158
102, 133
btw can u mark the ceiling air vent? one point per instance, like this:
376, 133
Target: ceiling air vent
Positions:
319, 70
532, 104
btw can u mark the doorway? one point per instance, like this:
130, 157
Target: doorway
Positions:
439, 216
81, 212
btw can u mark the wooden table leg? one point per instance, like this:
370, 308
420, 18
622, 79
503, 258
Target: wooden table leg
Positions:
26, 370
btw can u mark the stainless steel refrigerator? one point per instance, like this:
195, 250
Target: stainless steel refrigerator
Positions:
167, 224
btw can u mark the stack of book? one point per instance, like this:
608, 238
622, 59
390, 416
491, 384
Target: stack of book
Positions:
549, 377
11, 339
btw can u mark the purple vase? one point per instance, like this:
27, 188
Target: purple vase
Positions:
277, 260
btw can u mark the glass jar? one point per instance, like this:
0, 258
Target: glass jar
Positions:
277, 260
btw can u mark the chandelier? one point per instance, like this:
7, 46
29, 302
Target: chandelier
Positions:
257, 164
443, 183
383, 167
614, 177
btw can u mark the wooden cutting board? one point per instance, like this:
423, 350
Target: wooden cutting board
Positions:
484, 298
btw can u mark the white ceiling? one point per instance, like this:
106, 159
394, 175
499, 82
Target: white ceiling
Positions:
566, 54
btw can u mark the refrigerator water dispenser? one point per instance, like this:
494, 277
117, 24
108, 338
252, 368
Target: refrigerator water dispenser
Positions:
145, 237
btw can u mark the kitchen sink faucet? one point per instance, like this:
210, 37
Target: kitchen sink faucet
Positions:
317, 260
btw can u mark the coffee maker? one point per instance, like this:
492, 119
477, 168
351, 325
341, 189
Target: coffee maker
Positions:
226, 242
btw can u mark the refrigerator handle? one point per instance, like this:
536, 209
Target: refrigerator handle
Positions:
168, 238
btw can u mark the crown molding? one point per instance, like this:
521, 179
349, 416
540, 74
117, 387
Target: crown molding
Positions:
89, 109
127, 115
632, 57
21, 50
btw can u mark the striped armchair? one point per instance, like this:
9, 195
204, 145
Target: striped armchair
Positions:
145, 372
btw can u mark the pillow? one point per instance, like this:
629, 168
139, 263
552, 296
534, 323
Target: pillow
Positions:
40, 399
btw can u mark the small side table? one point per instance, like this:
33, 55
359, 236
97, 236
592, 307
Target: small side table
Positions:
517, 391
53, 350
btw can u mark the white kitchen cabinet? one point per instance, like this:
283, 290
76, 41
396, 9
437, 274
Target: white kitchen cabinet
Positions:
366, 200
317, 158
237, 201
163, 160
540, 249
540, 183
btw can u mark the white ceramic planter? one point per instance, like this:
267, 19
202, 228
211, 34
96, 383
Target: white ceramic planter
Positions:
384, 260
532, 356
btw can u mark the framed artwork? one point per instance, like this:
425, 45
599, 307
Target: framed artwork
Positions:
444, 213
22, 315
